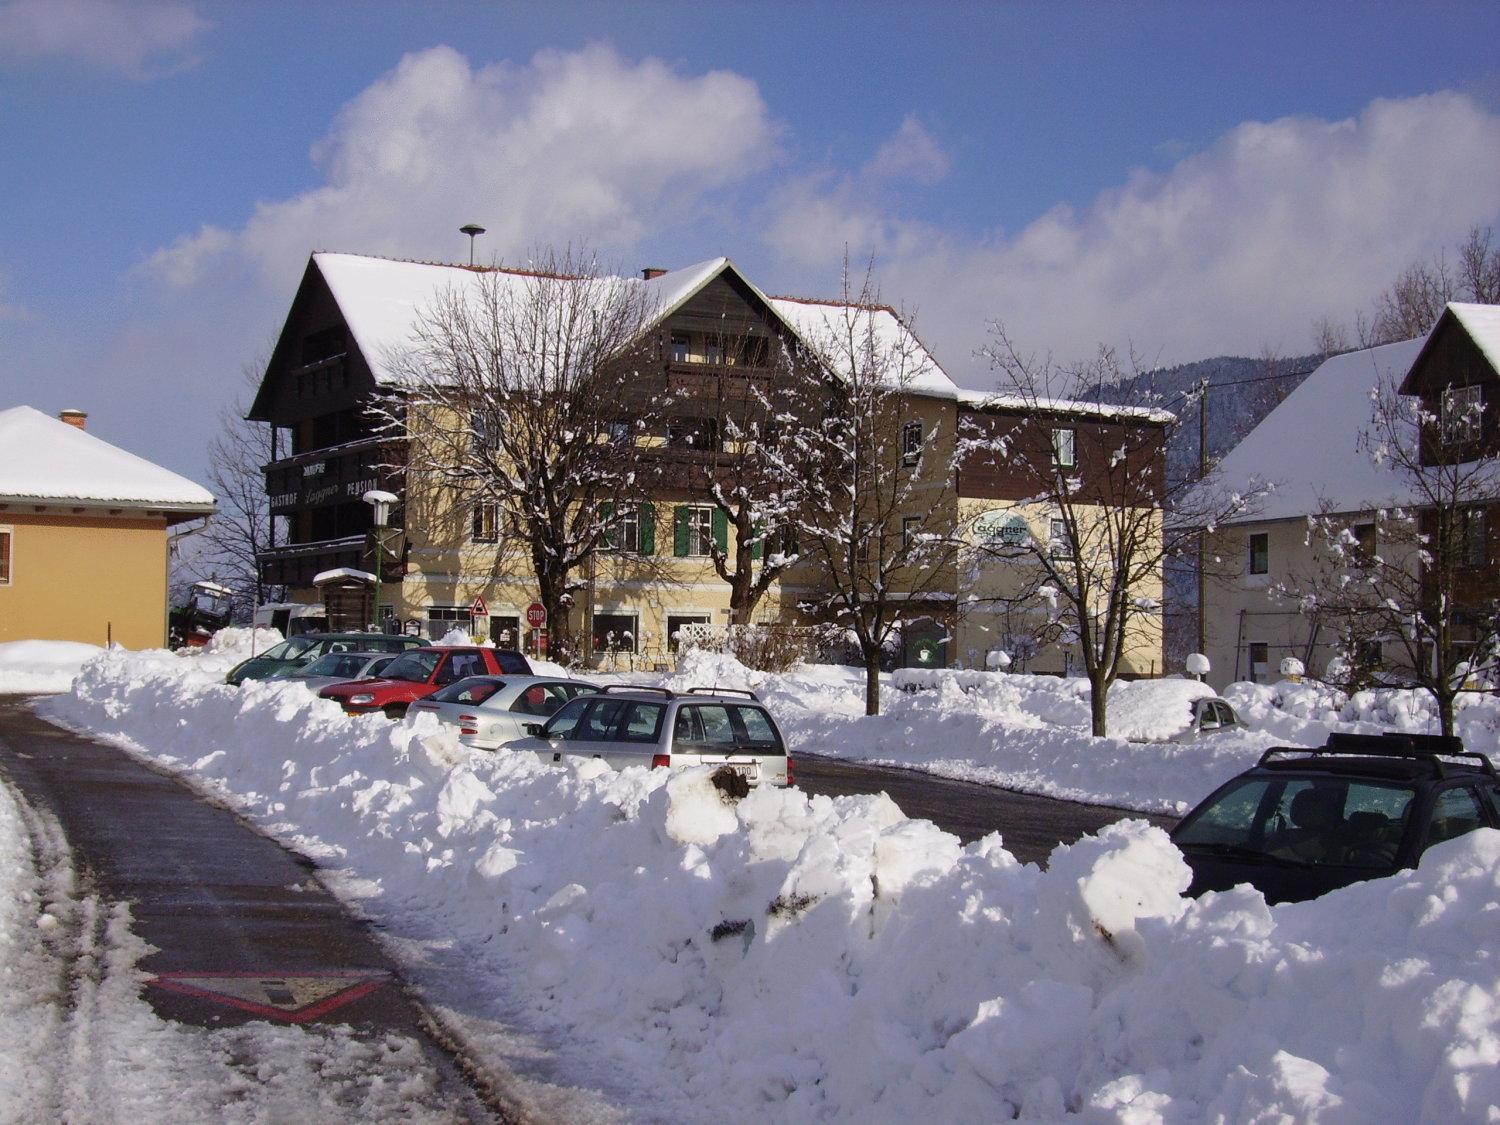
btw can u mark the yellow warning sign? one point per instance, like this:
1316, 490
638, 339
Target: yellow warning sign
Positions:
291, 997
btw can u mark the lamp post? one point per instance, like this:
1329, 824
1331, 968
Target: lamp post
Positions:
473, 230
380, 502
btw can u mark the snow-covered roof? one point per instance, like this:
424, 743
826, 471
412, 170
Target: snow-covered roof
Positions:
341, 572
381, 298
45, 459
818, 321
995, 400
1482, 323
1308, 446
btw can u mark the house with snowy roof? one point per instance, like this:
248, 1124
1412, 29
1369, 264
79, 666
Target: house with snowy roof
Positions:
83, 533
1309, 450
353, 318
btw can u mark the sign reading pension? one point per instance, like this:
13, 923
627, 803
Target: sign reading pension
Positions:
1001, 529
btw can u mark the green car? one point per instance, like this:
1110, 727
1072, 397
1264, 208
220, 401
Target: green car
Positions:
301, 651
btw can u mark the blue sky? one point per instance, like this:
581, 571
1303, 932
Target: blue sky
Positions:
1187, 181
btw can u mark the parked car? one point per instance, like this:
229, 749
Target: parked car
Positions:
631, 726
338, 668
1170, 709
1303, 822
298, 652
417, 674
490, 711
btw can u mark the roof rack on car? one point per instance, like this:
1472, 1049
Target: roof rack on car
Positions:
636, 687
1430, 748
722, 691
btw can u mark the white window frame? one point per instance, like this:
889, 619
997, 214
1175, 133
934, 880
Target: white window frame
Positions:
700, 536
1057, 540
8, 555
635, 631
1459, 421
911, 527
911, 442
625, 536
1064, 439
478, 523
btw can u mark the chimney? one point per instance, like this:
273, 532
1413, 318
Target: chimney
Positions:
652, 271
75, 418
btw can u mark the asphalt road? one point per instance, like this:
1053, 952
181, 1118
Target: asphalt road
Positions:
1031, 826
242, 929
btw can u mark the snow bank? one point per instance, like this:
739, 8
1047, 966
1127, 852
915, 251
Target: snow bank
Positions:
242, 642
41, 666
802, 959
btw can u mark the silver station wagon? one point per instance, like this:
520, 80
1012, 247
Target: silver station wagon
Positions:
634, 726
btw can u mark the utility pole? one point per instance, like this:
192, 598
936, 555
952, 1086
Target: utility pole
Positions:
1203, 533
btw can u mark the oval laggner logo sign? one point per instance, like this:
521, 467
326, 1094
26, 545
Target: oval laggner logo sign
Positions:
1001, 529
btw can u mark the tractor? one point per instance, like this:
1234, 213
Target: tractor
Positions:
207, 610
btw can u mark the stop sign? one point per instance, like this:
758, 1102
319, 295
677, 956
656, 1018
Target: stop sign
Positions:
536, 615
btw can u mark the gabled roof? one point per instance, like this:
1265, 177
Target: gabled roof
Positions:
380, 299
1308, 446
1481, 323
48, 460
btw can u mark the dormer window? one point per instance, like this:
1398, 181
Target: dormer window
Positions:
1461, 413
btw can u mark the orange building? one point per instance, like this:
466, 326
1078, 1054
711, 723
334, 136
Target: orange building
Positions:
83, 533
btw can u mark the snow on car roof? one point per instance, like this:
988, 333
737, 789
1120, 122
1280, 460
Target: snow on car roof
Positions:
1308, 446
46, 459
1152, 710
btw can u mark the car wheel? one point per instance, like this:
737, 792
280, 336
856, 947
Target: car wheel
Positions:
395, 712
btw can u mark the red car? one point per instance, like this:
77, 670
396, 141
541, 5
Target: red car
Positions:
418, 673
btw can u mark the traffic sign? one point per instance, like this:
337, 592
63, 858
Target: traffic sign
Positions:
479, 609
536, 615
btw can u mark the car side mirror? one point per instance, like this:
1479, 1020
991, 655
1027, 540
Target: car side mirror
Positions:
533, 729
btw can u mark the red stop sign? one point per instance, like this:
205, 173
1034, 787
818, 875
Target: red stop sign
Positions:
536, 615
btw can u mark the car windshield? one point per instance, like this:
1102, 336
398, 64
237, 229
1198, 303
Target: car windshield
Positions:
289, 650
1310, 821
415, 667
346, 664
474, 689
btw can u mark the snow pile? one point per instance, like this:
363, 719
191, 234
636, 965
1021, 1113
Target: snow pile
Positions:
796, 958
242, 642
41, 666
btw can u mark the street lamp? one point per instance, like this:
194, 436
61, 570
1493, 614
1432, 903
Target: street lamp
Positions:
473, 230
380, 503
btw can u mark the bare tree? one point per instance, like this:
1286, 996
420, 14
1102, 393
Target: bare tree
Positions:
741, 460
876, 508
1106, 515
1479, 267
226, 548
1412, 303
1415, 574
528, 390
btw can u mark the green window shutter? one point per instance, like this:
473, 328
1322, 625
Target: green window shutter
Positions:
721, 531
648, 528
610, 539
680, 531
756, 549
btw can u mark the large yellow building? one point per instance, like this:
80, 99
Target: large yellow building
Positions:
347, 327
83, 534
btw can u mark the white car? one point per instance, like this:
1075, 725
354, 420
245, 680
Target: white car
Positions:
490, 711
633, 726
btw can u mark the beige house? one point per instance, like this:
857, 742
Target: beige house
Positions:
1308, 450
83, 534
460, 567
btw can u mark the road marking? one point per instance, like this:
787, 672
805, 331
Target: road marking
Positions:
289, 997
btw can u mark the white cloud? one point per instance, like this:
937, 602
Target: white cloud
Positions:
1243, 244
135, 37
573, 147
911, 154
